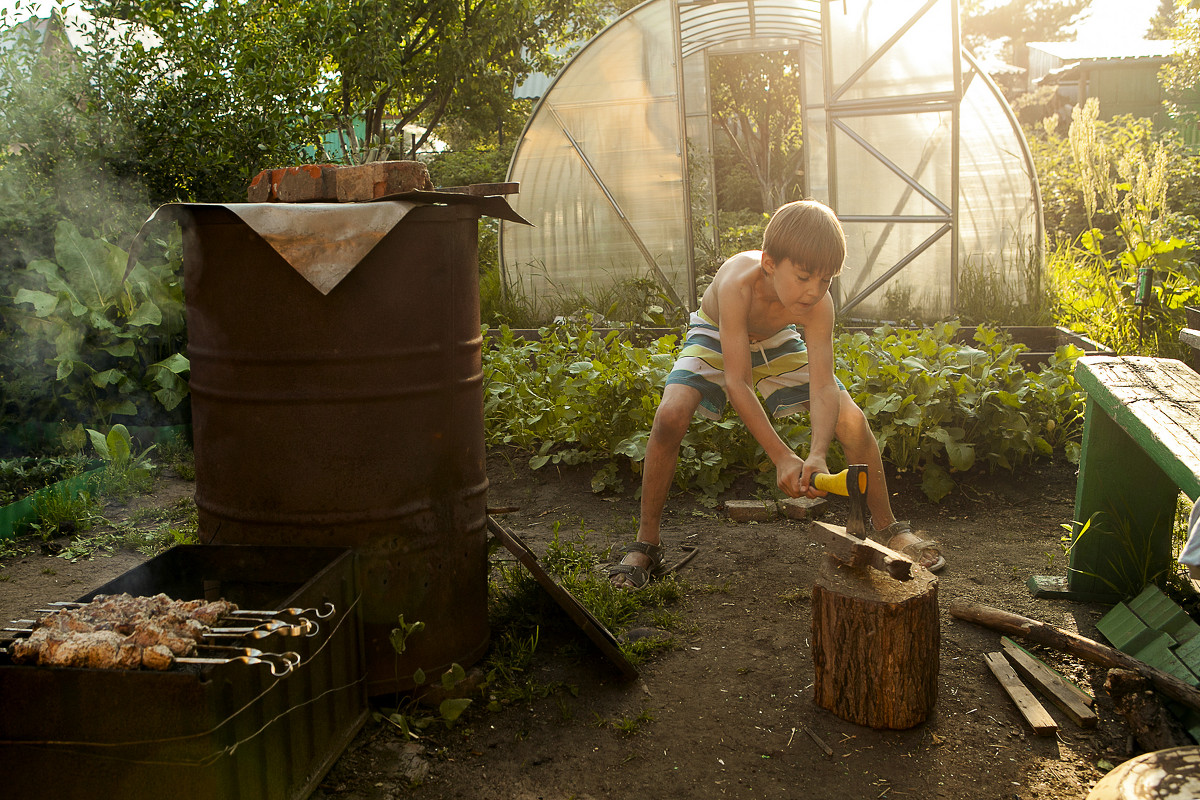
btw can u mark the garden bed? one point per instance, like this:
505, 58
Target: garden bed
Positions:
1042, 340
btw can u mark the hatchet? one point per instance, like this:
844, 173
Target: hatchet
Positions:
850, 544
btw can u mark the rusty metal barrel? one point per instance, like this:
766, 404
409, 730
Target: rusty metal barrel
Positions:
353, 418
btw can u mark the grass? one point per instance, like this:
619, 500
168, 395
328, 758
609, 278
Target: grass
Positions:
627, 726
60, 511
149, 531
521, 613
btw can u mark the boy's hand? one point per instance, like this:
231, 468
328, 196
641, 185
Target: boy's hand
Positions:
812, 466
789, 474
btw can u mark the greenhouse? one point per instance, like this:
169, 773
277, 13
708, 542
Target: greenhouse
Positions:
904, 136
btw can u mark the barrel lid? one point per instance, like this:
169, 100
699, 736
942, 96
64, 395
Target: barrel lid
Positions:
323, 242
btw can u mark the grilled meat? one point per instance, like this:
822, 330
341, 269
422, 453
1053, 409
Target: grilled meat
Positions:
120, 632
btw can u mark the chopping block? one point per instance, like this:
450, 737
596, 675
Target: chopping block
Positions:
875, 633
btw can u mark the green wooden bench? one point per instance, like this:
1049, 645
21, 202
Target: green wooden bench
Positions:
1141, 447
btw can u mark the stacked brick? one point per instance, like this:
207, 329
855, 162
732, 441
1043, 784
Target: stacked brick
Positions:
331, 183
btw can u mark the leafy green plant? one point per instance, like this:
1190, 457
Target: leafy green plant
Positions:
126, 472
939, 407
23, 475
1126, 278
936, 405
114, 343
409, 717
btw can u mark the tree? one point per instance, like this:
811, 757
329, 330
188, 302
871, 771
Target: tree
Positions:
400, 62
756, 104
1180, 77
1164, 19
1014, 23
222, 89
210, 92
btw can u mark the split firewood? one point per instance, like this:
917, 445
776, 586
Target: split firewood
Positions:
1152, 725
1076, 645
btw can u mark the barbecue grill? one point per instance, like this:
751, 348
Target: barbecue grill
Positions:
227, 727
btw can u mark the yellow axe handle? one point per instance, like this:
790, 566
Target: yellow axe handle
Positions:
836, 484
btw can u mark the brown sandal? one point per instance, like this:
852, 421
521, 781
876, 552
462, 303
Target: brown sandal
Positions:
636, 577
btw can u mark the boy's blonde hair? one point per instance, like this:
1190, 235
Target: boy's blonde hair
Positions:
809, 235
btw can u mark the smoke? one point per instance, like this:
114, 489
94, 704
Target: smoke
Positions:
61, 159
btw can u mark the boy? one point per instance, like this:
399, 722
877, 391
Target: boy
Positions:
744, 337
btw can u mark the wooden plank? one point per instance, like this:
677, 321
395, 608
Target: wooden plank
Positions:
1038, 718
855, 552
1073, 701
1190, 336
1157, 402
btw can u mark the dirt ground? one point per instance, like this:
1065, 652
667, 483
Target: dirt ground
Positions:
730, 711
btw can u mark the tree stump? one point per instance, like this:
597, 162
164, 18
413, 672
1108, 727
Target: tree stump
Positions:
875, 644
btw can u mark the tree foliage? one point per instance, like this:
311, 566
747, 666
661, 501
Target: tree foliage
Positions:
1015, 23
1181, 76
756, 103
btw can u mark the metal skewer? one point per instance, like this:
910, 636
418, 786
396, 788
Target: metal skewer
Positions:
278, 668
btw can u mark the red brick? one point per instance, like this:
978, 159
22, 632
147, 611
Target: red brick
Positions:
354, 184
802, 507
750, 510
394, 177
264, 186
307, 183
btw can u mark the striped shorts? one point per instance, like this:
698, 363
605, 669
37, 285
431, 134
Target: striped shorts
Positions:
779, 369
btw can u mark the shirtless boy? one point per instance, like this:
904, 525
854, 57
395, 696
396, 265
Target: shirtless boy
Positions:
744, 338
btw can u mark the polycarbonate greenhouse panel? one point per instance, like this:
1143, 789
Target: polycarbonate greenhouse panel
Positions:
706, 24
919, 155
891, 48
1000, 233
601, 171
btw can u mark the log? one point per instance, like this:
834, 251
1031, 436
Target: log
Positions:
857, 552
1076, 645
875, 645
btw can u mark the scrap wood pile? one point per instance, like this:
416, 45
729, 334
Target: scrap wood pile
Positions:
1130, 681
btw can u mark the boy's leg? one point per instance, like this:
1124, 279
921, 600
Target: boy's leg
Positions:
860, 447
671, 421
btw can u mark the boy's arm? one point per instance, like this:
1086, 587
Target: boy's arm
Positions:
824, 395
739, 385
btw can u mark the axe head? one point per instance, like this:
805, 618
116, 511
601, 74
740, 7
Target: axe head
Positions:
856, 492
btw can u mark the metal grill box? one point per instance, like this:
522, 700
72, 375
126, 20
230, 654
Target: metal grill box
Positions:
198, 731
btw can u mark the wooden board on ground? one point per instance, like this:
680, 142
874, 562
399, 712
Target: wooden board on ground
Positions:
1034, 713
1074, 702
